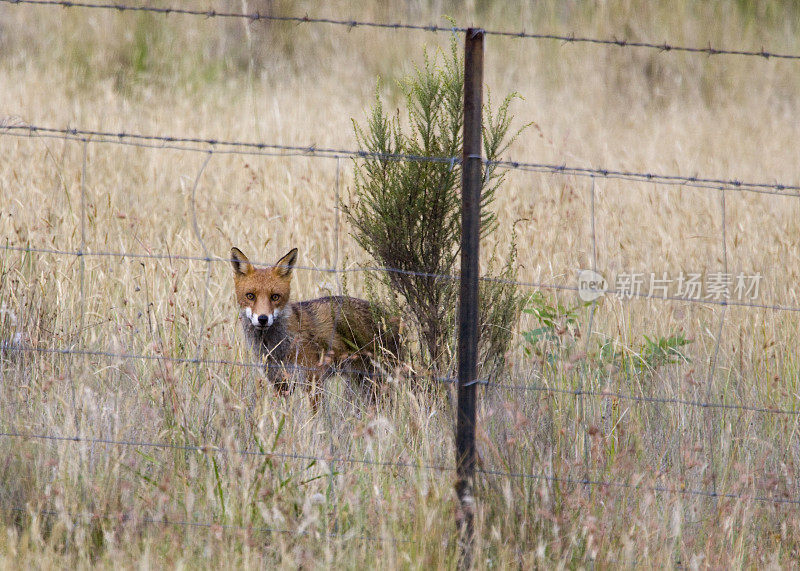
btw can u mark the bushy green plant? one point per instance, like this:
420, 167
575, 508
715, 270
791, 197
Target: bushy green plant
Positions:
556, 336
556, 331
406, 213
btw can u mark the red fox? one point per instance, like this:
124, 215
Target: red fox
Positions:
313, 338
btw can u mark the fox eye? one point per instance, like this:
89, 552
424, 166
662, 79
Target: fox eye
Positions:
275, 296
250, 296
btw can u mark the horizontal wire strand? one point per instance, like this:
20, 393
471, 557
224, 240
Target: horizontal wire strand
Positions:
394, 464
441, 380
529, 284
128, 518
351, 23
221, 146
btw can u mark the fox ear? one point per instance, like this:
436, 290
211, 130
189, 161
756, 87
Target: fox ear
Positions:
285, 265
241, 265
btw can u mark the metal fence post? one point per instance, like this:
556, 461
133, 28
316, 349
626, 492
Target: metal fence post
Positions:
472, 166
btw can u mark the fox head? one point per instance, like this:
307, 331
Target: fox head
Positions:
262, 294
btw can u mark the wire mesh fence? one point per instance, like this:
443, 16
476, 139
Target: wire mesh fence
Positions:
704, 403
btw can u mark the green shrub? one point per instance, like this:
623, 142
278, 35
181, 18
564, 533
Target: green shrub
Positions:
407, 213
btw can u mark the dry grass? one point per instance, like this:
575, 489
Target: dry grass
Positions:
86, 503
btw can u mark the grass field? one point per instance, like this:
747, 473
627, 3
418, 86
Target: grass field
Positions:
186, 458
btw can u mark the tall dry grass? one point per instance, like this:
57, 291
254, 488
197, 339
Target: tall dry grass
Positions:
280, 493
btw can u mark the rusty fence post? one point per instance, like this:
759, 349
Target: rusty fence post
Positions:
472, 168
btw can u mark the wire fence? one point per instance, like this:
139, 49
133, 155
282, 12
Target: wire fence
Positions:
398, 26
222, 147
212, 147
620, 293
212, 449
133, 519
642, 399
93, 136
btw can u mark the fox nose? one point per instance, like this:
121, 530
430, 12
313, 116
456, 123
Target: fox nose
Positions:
262, 320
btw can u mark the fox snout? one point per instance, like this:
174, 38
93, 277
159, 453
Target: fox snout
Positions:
261, 320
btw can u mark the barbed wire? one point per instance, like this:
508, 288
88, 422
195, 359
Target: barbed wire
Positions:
779, 189
222, 146
350, 24
218, 146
